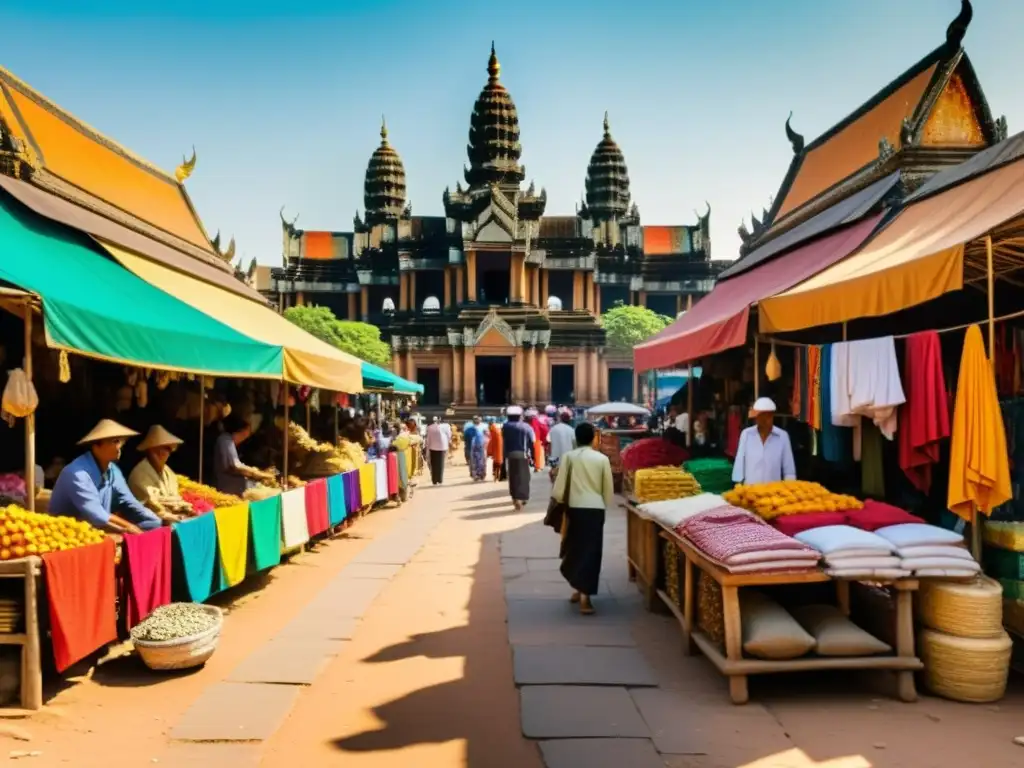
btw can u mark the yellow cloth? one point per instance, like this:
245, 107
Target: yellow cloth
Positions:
979, 465
368, 483
232, 542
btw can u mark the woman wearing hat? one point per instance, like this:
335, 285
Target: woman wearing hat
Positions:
764, 454
153, 482
92, 487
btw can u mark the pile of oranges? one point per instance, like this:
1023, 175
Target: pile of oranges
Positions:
24, 533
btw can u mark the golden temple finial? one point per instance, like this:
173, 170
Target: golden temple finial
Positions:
383, 130
184, 170
493, 65
607, 129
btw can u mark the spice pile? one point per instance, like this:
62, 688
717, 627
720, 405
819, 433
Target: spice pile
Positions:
191, 491
173, 622
789, 497
660, 483
652, 452
24, 533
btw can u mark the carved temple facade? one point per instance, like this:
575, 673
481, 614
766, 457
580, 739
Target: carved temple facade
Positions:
494, 302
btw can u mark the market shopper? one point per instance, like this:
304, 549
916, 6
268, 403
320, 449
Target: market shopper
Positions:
230, 474
561, 440
585, 485
92, 487
517, 438
153, 482
438, 441
495, 450
478, 450
764, 454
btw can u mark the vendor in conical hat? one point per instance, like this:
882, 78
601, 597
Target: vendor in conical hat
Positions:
153, 482
92, 487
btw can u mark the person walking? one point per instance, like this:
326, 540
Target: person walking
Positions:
517, 439
437, 449
584, 484
495, 450
477, 438
562, 439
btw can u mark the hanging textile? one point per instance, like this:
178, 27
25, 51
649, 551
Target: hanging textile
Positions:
795, 398
392, 462
265, 532
872, 472
835, 441
924, 418
81, 597
403, 468
197, 549
814, 387
380, 478
979, 472
353, 493
317, 516
147, 561
293, 519
336, 499
368, 483
232, 542
866, 382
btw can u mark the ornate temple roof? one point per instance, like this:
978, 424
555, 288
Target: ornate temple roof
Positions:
607, 179
384, 187
494, 149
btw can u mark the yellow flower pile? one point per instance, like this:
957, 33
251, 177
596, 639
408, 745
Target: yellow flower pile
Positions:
212, 495
24, 533
659, 483
789, 497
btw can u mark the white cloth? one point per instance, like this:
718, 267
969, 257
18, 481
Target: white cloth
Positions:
562, 439
835, 539
763, 461
683, 423
591, 485
381, 479
437, 438
880, 561
952, 563
772, 555
865, 381
935, 551
770, 566
671, 512
294, 530
917, 535
947, 573
886, 574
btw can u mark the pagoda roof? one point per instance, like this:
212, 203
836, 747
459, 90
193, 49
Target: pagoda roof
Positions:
74, 161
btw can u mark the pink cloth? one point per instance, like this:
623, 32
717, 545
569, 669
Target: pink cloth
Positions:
147, 558
727, 534
318, 517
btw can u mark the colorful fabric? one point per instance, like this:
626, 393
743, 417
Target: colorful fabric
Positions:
197, 550
795, 398
293, 519
924, 418
81, 597
979, 471
336, 511
380, 479
353, 496
368, 483
791, 525
392, 461
232, 542
836, 442
147, 560
403, 468
877, 514
318, 517
814, 387
727, 534
265, 532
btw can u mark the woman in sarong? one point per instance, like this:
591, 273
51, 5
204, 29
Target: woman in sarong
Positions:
584, 482
478, 451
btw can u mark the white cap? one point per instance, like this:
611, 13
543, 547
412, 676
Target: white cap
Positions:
514, 410
763, 405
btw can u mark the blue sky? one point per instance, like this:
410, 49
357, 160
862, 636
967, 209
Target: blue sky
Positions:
283, 100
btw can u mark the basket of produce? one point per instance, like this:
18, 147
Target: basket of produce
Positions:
178, 636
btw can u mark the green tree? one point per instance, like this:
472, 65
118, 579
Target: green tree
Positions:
359, 339
626, 326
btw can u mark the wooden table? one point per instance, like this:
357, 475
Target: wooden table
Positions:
28, 570
644, 536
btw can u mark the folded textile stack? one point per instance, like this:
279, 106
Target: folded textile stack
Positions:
930, 551
671, 512
713, 474
742, 543
876, 514
851, 553
657, 483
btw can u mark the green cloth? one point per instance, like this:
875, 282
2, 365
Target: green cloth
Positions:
375, 377
1012, 589
872, 472
713, 474
94, 306
336, 499
196, 553
1003, 564
265, 533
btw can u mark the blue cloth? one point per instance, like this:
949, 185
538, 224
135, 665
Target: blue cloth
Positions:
767, 461
836, 442
85, 493
197, 547
517, 436
225, 459
336, 499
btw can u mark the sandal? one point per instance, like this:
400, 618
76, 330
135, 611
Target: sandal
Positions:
586, 607
575, 597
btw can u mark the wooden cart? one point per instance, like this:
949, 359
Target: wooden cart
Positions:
644, 537
28, 570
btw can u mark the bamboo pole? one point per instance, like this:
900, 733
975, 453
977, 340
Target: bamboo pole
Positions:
202, 424
30, 420
976, 518
284, 469
757, 368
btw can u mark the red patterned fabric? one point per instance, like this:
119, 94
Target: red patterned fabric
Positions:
727, 533
791, 525
877, 514
318, 517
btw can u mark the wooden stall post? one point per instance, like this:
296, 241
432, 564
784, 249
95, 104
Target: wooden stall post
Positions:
202, 424
284, 469
30, 420
308, 416
757, 368
689, 403
976, 518
336, 409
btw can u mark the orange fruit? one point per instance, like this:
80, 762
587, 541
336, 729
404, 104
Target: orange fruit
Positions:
5, 554
19, 551
18, 538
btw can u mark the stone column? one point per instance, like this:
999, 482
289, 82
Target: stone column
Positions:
642, 299
531, 376
689, 302
602, 372
447, 288
543, 376
679, 303
412, 291
352, 312
445, 374
364, 302
523, 287
595, 370
535, 288
577, 290
403, 292
471, 275
459, 284
469, 376
455, 393
518, 375
582, 377
544, 294
300, 299
588, 291
597, 299
410, 366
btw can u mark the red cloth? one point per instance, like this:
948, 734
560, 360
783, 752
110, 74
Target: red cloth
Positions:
318, 518
392, 474
733, 428
80, 591
791, 525
924, 418
877, 514
147, 560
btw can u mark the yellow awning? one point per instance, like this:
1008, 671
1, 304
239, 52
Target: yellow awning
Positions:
307, 360
918, 257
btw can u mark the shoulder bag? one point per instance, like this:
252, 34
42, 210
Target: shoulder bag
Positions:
557, 507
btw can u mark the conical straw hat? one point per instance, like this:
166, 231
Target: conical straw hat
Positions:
158, 436
107, 429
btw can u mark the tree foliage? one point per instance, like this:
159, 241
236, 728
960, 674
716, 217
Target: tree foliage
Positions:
626, 326
359, 339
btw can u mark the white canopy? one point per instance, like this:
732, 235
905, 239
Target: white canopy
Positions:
618, 409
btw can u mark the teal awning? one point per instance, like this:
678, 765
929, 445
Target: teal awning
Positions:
96, 307
375, 377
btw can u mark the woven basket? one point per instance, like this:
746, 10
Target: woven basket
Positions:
964, 669
182, 652
969, 609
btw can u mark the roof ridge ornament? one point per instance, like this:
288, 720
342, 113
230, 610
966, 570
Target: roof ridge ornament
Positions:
607, 128
958, 27
184, 170
794, 138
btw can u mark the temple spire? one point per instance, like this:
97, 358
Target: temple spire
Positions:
493, 65
607, 129
383, 130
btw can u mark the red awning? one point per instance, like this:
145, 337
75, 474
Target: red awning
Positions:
719, 320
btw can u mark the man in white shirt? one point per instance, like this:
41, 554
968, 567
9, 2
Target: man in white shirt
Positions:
764, 454
561, 438
438, 440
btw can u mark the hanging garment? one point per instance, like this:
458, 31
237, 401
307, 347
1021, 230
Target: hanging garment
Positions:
872, 470
317, 515
814, 404
293, 519
147, 558
392, 463
795, 398
381, 479
835, 440
368, 483
925, 415
232, 543
353, 494
979, 471
197, 546
336, 499
265, 532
